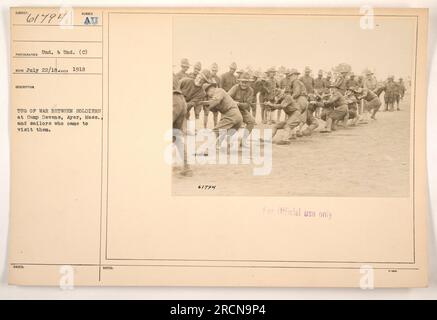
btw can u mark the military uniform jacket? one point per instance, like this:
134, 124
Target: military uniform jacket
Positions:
319, 84
368, 95
191, 92
298, 89
288, 104
340, 83
337, 100
221, 101
308, 81
351, 83
286, 84
216, 79
270, 86
390, 88
180, 75
241, 96
402, 88
227, 81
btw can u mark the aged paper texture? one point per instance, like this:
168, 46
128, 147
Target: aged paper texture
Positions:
294, 154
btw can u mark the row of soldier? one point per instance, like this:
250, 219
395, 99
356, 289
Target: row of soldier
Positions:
348, 99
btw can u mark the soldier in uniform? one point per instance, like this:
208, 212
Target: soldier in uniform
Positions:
242, 93
390, 89
185, 65
286, 102
214, 76
300, 98
260, 90
319, 83
402, 87
369, 81
194, 93
371, 101
340, 82
337, 109
352, 104
196, 69
179, 112
216, 79
231, 118
360, 81
307, 80
228, 79
351, 82
400, 92
239, 73
268, 95
314, 104
328, 81
284, 84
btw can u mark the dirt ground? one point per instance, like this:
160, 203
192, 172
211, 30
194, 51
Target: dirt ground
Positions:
370, 160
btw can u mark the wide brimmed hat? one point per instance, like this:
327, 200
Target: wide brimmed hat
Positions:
233, 65
214, 67
307, 69
185, 62
197, 66
271, 70
293, 71
245, 77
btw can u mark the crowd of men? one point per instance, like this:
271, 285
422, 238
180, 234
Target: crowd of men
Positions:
287, 100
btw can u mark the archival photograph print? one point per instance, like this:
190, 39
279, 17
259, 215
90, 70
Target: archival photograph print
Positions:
293, 105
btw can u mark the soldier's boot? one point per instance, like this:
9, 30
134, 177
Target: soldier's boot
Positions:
373, 116
386, 108
334, 125
310, 129
291, 134
346, 120
286, 139
328, 126
363, 118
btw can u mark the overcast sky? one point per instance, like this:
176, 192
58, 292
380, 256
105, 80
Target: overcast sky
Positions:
319, 42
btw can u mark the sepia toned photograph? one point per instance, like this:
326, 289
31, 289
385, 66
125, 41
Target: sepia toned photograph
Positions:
295, 157
293, 105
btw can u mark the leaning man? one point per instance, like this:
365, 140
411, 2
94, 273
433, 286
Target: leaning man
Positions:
231, 118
